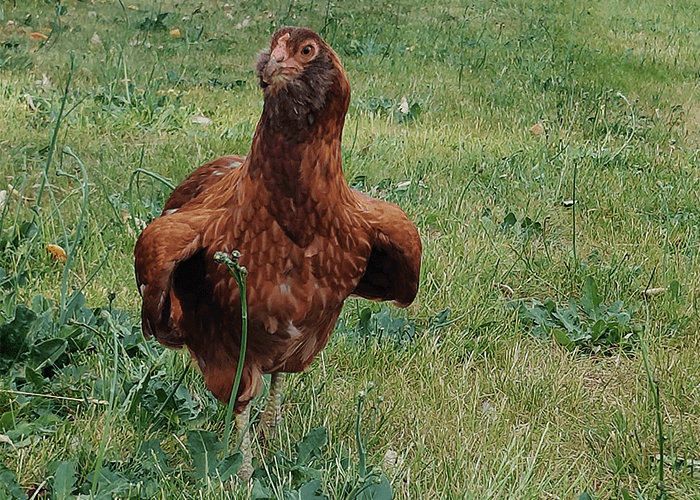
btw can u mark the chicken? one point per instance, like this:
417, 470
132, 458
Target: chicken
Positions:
307, 239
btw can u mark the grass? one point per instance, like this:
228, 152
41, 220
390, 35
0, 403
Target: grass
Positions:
473, 405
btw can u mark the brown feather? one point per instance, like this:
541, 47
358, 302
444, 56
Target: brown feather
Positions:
200, 180
307, 240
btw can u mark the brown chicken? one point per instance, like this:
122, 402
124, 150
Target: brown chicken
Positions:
307, 239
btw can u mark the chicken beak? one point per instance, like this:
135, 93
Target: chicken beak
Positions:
272, 72
281, 67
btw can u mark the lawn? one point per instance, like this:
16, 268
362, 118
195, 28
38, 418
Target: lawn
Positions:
548, 153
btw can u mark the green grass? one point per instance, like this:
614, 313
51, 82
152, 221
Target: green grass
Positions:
475, 407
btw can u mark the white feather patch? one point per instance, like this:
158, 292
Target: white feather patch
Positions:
293, 331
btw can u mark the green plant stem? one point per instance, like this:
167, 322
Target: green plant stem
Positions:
57, 210
126, 82
47, 164
71, 250
239, 274
38, 490
117, 217
172, 392
654, 389
94, 272
110, 408
664, 262
23, 260
126, 15
573, 217
5, 208
22, 190
54, 136
362, 466
134, 174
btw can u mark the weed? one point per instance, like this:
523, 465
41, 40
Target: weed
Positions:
586, 323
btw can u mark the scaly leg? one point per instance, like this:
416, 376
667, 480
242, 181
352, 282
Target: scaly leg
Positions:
242, 420
272, 415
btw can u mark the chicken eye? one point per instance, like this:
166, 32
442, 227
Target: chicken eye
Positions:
307, 50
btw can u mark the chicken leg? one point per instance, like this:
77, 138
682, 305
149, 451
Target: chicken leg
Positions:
272, 415
244, 437
269, 420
